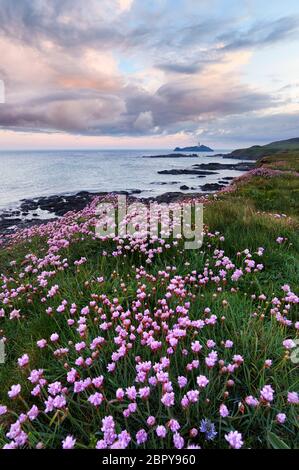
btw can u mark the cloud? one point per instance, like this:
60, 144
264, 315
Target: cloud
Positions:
252, 128
144, 121
261, 34
125, 5
184, 68
62, 66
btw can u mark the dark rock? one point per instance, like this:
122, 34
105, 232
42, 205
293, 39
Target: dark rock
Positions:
176, 171
212, 187
135, 191
161, 183
29, 205
171, 197
242, 166
184, 187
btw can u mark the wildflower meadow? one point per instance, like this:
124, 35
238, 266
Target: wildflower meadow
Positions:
114, 343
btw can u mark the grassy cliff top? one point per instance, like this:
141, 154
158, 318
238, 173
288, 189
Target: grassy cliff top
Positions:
258, 151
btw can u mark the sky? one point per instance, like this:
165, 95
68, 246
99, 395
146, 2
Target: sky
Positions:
148, 73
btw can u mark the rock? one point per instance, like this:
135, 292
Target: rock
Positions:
176, 171
212, 187
134, 191
170, 197
184, 187
165, 182
226, 166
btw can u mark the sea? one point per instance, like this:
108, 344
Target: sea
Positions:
30, 174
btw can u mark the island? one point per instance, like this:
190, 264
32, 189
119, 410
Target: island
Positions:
195, 148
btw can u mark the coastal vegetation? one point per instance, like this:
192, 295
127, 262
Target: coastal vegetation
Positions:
124, 343
258, 151
194, 148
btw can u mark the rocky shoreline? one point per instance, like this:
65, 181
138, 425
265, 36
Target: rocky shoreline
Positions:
41, 210
52, 207
173, 155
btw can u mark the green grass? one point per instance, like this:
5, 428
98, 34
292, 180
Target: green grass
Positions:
259, 151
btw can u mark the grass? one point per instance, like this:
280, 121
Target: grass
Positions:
246, 219
257, 152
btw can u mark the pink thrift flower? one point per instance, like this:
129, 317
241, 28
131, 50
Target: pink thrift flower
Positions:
35, 375
120, 394
144, 392
168, 399
131, 393
193, 396
211, 359
80, 346
202, 381
178, 441
54, 337
101, 444
41, 343
182, 381
3, 410
293, 398
14, 391
151, 420
33, 413
238, 359
96, 399
280, 418
141, 436
174, 425
98, 381
251, 401
267, 393
23, 361
211, 343
68, 443
196, 346
234, 438
223, 411
289, 344
132, 407
161, 431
